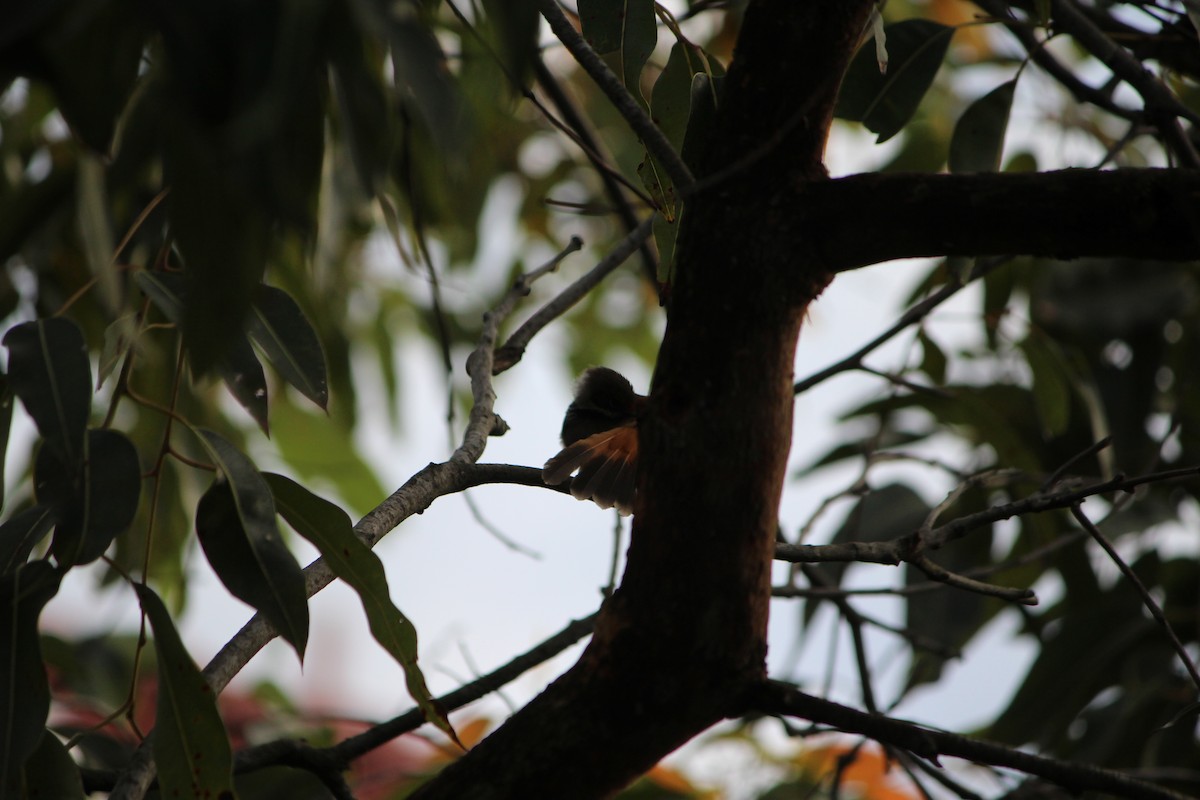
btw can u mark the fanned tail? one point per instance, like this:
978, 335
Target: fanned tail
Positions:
606, 464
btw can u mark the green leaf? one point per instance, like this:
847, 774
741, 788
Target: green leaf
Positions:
364, 110
978, 141
933, 359
243, 376
235, 520
420, 66
626, 30
191, 746
91, 59
318, 448
1051, 387
20, 534
330, 531
49, 370
165, 290
516, 25
290, 343
51, 773
879, 515
24, 690
670, 106
886, 102
222, 232
93, 503
119, 338
6, 409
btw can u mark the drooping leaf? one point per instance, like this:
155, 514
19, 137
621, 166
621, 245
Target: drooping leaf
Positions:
20, 534
48, 369
1051, 389
221, 231
516, 26
933, 359
166, 291
191, 746
95, 229
6, 409
24, 691
243, 376
235, 520
978, 141
50, 772
886, 102
91, 59
330, 531
363, 104
287, 338
119, 337
945, 616
624, 29
879, 515
92, 503
420, 66
671, 107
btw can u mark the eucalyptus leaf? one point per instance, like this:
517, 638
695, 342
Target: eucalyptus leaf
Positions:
624, 29
978, 141
48, 370
235, 521
289, 342
21, 533
51, 773
328, 528
886, 102
243, 375
92, 503
24, 690
191, 747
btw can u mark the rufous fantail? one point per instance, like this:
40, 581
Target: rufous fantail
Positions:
600, 440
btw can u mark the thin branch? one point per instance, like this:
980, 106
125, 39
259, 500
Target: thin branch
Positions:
942, 575
1147, 599
650, 134
513, 349
1162, 106
914, 314
355, 746
1022, 30
593, 149
905, 548
776, 697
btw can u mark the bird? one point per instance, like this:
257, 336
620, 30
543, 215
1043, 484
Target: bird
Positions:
600, 440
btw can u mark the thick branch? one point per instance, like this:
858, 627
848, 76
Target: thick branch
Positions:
866, 219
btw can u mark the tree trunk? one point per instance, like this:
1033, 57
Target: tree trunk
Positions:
684, 636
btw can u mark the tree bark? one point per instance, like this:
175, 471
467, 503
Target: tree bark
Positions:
865, 219
683, 637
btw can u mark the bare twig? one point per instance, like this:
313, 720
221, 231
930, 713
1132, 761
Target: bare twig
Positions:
1147, 599
914, 314
942, 575
514, 348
